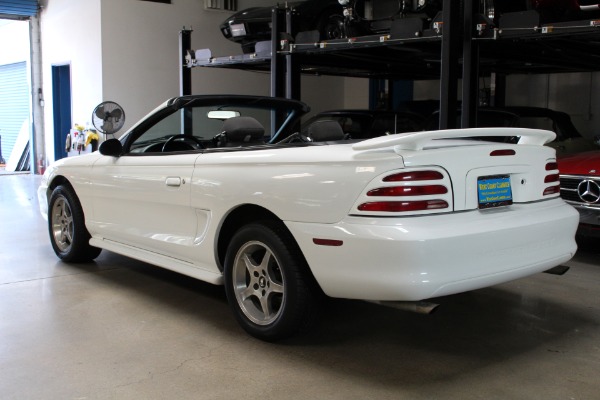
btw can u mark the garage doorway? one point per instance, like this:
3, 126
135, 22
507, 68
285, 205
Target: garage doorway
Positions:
14, 114
61, 103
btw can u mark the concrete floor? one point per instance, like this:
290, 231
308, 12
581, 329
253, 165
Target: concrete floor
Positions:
122, 329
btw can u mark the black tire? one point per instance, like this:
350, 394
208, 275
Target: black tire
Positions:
66, 226
268, 285
331, 26
248, 48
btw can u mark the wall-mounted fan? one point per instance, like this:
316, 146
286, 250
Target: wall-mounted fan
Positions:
108, 117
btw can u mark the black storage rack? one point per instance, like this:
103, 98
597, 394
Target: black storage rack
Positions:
454, 47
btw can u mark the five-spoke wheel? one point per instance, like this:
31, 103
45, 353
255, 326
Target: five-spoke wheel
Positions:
66, 225
61, 227
268, 284
258, 283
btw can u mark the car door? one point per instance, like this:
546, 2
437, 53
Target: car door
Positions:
142, 198
144, 201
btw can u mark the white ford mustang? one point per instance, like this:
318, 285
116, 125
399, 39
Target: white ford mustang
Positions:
220, 188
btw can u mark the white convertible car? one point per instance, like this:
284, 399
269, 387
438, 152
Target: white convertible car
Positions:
220, 188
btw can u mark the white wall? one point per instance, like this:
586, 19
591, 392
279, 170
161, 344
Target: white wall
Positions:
356, 93
426, 90
574, 93
70, 35
70, 32
577, 94
140, 43
141, 53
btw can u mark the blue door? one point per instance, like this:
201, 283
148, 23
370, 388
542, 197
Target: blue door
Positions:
61, 101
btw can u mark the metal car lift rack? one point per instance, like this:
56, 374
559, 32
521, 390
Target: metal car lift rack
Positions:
455, 46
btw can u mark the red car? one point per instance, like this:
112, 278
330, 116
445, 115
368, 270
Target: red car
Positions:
580, 187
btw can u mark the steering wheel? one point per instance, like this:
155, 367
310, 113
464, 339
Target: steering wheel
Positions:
185, 140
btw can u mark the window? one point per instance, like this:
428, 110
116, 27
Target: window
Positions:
198, 121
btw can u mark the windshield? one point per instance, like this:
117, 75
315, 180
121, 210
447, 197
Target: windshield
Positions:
203, 122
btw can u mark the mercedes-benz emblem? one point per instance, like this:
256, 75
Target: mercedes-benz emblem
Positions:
589, 191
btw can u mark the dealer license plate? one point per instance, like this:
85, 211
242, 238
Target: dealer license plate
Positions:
494, 191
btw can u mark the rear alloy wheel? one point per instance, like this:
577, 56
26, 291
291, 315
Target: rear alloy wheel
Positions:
66, 225
267, 282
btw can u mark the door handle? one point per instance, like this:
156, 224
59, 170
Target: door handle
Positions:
174, 181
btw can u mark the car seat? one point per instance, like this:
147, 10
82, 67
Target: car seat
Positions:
325, 131
242, 131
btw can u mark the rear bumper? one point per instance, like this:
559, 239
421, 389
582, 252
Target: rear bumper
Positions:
415, 258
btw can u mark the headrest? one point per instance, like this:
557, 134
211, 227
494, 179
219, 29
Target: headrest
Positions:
325, 130
243, 130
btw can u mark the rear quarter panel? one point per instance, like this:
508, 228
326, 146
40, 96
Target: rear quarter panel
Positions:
308, 184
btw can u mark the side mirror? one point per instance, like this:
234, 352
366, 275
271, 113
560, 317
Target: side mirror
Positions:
111, 147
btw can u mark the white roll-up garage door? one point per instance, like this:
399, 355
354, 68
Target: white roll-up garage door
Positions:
14, 104
18, 9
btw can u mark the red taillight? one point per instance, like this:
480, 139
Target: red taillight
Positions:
403, 206
552, 190
551, 178
412, 192
408, 190
414, 176
505, 152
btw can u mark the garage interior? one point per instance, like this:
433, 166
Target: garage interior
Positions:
122, 329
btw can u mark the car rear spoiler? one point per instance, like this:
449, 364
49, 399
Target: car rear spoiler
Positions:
418, 140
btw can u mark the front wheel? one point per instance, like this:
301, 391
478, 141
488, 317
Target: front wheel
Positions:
267, 282
66, 225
